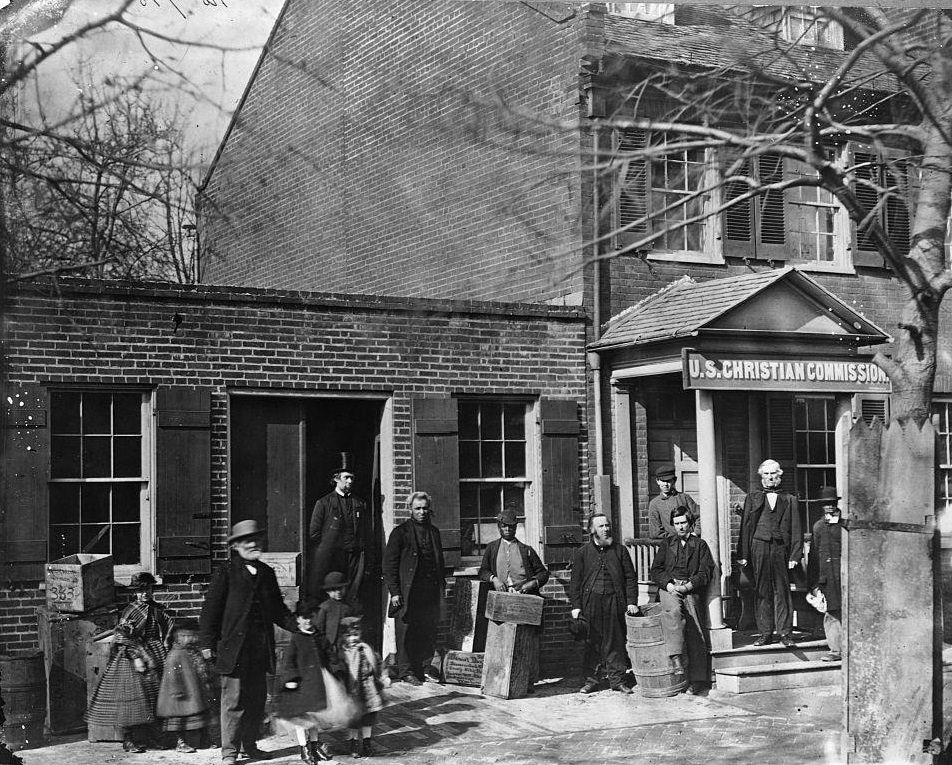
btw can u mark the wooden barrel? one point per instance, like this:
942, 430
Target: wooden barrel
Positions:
650, 661
23, 686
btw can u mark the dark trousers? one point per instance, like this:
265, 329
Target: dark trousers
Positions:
243, 695
772, 603
416, 628
605, 644
683, 633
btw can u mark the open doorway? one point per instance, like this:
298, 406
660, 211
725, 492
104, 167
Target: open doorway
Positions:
283, 453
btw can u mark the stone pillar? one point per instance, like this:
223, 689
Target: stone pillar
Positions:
707, 486
889, 641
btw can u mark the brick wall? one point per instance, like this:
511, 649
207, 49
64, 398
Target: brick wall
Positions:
378, 151
109, 334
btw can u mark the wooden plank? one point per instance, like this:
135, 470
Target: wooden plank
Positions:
513, 607
560, 469
511, 661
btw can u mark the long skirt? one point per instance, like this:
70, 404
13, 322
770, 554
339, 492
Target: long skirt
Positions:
124, 697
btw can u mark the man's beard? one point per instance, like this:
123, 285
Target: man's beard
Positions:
603, 541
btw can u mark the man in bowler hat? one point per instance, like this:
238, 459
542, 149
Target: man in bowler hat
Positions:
242, 603
510, 565
823, 568
669, 498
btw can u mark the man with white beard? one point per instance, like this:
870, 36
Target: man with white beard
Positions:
603, 589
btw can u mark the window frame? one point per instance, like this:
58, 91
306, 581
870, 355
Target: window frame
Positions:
147, 539
530, 527
813, 31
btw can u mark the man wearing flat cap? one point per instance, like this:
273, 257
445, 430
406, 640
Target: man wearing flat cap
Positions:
669, 498
342, 538
823, 567
242, 603
510, 565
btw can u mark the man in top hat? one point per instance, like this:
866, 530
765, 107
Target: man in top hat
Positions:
771, 541
823, 568
669, 498
242, 603
342, 538
603, 589
413, 569
683, 567
511, 565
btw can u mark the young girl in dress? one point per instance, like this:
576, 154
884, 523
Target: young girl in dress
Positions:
126, 694
183, 701
362, 677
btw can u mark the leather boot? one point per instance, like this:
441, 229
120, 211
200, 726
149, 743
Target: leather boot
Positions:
319, 752
307, 756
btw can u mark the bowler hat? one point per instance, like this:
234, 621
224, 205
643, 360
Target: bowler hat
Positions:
507, 517
142, 579
244, 529
828, 494
335, 580
349, 623
665, 473
579, 627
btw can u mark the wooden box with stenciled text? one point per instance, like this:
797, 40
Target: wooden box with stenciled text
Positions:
286, 565
463, 668
514, 608
79, 583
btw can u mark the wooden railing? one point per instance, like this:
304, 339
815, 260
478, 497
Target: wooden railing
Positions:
642, 552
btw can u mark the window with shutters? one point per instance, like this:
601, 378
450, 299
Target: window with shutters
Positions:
494, 468
100, 457
884, 185
663, 179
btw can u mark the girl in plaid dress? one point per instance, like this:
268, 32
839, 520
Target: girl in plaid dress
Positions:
129, 686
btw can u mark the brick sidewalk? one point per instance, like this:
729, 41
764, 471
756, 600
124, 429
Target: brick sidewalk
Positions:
436, 724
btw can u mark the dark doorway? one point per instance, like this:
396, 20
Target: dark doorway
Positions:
284, 451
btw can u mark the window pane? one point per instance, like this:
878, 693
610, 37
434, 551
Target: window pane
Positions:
468, 427
89, 533
514, 499
489, 502
96, 413
515, 422
125, 543
800, 412
64, 540
64, 412
817, 448
96, 456
515, 460
64, 503
468, 501
467, 538
469, 459
126, 412
491, 421
127, 456
492, 459
95, 503
126, 501
816, 413
64, 456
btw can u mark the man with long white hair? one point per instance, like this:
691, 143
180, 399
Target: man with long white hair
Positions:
771, 542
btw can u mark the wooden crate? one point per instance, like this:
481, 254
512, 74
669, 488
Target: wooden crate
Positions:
463, 668
286, 565
79, 583
512, 659
517, 609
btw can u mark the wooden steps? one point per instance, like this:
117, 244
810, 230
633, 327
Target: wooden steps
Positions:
772, 677
775, 653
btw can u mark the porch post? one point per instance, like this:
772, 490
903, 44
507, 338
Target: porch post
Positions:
621, 436
707, 490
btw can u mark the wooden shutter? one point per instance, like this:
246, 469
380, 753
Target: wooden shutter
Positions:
780, 439
739, 219
634, 187
561, 507
436, 465
771, 211
24, 482
867, 171
183, 480
871, 406
886, 169
897, 174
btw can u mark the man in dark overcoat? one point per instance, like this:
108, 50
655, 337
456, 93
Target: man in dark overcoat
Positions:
413, 571
823, 569
771, 542
343, 538
682, 567
242, 603
509, 564
603, 589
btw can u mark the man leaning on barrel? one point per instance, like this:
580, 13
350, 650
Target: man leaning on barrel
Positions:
682, 568
603, 589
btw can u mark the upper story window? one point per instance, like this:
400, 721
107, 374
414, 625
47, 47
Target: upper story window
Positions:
800, 24
644, 11
100, 475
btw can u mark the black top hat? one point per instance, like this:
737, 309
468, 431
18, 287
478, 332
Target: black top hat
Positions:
335, 580
346, 463
142, 579
828, 495
244, 529
665, 473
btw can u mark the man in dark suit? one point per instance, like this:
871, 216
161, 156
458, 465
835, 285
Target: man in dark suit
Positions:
682, 567
413, 571
602, 590
510, 565
824, 568
342, 538
771, 541
242, 603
